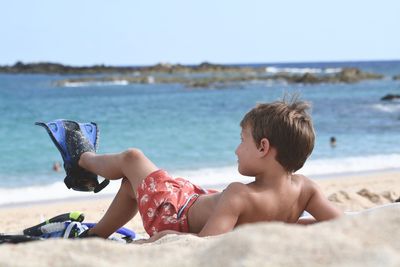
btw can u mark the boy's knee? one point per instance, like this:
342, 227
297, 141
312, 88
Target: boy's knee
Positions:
132, 154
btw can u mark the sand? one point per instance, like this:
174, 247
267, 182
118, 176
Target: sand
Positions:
366, 239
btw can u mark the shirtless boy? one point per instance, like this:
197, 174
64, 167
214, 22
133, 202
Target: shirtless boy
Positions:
276, 140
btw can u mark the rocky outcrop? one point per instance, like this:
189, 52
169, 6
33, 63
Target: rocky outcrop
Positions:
351, 75
55, 68
222, 78
347, 75
389, 97
212, 74
307, 78
397, 77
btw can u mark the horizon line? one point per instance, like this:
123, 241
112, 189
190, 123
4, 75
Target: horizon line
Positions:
202, 62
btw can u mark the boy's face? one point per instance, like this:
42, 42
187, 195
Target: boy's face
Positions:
247, 152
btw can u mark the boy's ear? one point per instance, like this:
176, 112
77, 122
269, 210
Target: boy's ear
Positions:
264, 146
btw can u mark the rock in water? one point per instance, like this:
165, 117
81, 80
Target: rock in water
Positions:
390, 97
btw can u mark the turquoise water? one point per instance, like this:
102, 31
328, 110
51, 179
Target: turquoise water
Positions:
192, 129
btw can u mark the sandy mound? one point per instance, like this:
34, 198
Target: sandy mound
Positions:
369, 239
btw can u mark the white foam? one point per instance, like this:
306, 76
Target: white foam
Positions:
388, 108
302, 70
332, 70
216, 178
55, 191
351, 164
150, 80
317, 167
85, 84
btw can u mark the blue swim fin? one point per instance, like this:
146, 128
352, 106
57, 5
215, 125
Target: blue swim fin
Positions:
72, 139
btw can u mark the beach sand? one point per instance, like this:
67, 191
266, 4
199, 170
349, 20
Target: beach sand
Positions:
366, 239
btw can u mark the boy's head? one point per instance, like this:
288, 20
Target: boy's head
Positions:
288, 128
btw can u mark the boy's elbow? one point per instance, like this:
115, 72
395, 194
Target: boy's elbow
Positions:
205, 234
210, 233
334, 214
339, 213
202, 235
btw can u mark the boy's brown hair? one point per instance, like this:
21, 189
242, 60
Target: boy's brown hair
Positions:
288, 128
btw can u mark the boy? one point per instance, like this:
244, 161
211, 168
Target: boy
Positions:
276, 140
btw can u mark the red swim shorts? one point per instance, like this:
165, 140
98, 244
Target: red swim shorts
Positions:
164, 202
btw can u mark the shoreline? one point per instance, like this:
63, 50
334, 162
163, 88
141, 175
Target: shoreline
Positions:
353, 173
90, 196
326, 181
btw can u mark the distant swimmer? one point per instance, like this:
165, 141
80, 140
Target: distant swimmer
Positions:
333, 141
56, 166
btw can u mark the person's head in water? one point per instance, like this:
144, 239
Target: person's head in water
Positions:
56, 166
333, 141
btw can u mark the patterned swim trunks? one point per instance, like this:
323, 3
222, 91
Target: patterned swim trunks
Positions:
164, 202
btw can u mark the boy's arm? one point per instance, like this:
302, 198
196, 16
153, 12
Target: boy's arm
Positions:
157, 236
320, 207
225, 215
306, 221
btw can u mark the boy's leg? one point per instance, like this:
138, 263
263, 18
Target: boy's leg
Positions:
134, 166
122, 209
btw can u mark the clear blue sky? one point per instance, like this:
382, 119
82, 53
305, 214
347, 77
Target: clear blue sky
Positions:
127, 32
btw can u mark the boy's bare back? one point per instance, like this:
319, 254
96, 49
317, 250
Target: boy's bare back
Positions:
254, 203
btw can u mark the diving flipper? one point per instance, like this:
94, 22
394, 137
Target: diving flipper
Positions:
16, 239
72, 139
36, 230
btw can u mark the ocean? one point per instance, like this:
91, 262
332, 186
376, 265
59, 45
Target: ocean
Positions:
191, 132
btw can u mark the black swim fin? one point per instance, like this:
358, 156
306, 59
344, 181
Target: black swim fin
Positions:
16, 239
72, 139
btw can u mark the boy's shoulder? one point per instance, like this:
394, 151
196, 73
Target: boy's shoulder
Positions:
233, 198
303, 179
236, 192
236, 188
308, 186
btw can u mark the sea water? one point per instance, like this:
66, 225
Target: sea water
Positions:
191, 132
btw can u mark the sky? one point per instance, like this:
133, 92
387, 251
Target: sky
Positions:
128, 32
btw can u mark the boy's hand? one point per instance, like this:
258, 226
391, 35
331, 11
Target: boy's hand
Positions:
306, 221
156, 236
